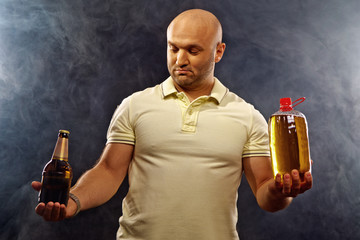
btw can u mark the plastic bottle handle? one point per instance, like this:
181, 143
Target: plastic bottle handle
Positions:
300, 100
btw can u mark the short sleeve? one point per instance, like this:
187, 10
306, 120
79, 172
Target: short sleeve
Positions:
258, 138
120, 129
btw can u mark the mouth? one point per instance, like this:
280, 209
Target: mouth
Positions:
182, 72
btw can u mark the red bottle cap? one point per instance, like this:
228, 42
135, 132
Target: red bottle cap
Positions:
285, 104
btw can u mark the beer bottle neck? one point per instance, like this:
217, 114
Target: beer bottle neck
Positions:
61, 149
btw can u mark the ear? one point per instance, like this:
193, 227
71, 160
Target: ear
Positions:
220, 49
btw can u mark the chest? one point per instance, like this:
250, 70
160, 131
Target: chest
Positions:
207, 130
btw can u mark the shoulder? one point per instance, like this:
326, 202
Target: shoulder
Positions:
233, 99
149, 92
147, 95
241, 107
137, 98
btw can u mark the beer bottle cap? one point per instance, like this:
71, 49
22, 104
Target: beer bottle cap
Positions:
64, 131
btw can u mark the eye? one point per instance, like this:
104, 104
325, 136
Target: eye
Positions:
194, 51
172, 48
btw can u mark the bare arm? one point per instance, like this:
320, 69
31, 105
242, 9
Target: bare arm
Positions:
273, 195
96, 186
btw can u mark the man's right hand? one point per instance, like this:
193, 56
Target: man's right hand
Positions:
54, 211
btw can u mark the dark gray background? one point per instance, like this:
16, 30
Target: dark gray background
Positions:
67, 64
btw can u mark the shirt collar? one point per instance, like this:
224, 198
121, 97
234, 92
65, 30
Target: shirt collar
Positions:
218, 92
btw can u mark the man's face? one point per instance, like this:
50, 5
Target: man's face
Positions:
190, 54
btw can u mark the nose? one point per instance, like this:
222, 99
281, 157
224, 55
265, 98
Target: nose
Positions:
182, 58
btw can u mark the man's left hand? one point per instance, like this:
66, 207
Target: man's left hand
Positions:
292, 185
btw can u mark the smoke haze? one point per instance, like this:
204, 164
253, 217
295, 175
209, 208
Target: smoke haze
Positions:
68, 64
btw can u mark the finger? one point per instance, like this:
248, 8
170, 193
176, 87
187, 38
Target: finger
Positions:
55, 213
40, 208
295, 187
287, 184
62, 212
48, 210
278, 183
308, 182
36, 185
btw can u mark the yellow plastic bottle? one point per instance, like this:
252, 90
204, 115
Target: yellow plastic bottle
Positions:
289, 141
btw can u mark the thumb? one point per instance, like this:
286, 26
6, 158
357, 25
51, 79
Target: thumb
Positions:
276, 186
36, 185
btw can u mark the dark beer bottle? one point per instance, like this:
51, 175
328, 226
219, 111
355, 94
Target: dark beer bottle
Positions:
57, 173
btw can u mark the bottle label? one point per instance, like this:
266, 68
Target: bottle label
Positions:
61, 149
60, 158
67, 174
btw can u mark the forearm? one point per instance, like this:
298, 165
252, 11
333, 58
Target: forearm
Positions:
271, 200
97, 186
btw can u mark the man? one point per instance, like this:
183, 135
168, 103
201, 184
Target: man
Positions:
184, 144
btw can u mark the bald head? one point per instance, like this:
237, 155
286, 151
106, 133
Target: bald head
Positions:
202, 21
194, 46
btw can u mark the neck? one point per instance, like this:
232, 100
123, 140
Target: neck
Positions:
193, 93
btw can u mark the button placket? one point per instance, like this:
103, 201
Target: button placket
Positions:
192, 113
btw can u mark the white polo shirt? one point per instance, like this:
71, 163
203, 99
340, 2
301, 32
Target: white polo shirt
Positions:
187, 163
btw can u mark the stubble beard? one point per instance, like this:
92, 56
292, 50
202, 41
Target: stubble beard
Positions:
192, 80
